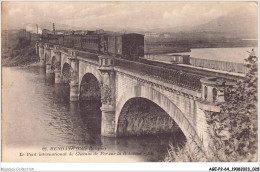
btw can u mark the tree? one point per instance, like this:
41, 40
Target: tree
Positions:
234, 129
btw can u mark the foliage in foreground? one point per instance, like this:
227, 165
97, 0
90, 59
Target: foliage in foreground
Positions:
233, 130
23, 53
185, 153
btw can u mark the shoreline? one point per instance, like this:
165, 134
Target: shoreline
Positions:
11, 64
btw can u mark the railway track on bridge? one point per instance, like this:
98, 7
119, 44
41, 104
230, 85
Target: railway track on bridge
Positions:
186, 69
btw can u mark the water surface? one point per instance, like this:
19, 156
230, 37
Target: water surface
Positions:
37, 113
234, 54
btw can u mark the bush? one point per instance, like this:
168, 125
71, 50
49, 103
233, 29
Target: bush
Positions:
233, 130
238, 117
25, 55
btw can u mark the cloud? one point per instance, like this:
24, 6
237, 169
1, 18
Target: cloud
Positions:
117, 14
15, 11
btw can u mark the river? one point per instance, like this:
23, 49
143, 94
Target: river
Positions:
233, 54
37, 116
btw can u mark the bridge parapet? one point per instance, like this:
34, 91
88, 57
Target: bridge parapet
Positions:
171, 76
106, 63
66, 50
56, 47
46, 46
40, 44
212, 93
90, 56
72, 53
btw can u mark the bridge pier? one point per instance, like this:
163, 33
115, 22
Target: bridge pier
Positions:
58, 76
74, 83
108, 126
106, 67
48, 58
74, 93
48, 68
37, 48
57, 70
41, 55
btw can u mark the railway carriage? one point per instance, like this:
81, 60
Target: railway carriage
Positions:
77, 42
91, 42
68, 41
61, 40
128, 46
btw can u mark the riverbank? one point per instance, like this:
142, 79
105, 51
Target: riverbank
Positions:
20, 56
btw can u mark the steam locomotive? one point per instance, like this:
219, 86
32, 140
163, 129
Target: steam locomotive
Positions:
128, 46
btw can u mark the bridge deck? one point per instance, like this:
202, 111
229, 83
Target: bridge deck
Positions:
175, 77
183, 76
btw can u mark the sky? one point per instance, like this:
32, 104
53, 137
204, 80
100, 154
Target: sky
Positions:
120, 15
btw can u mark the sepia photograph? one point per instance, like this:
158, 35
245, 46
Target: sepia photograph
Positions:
148, 81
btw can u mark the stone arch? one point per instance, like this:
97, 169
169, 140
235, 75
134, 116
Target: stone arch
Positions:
64, 59
66, 72
140, 116
90, 88
85, 68
162, 101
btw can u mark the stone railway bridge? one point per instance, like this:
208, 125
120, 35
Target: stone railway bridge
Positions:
186, 95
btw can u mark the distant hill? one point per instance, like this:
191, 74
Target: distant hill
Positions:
229, 30
239, 23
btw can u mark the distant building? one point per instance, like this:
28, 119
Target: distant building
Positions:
147, 34
59, 32
166, 35
153, 35
88, 32
68, 32
28, 35
46, 32
21, 33
79, 32
100, 31
34, 37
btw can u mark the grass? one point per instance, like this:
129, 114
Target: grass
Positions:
188, 152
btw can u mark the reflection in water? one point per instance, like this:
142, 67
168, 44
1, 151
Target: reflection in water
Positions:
38, 112
49, 78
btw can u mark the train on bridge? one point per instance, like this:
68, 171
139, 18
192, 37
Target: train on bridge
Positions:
129, 46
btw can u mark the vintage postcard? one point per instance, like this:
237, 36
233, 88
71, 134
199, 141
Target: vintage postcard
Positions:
129, 81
